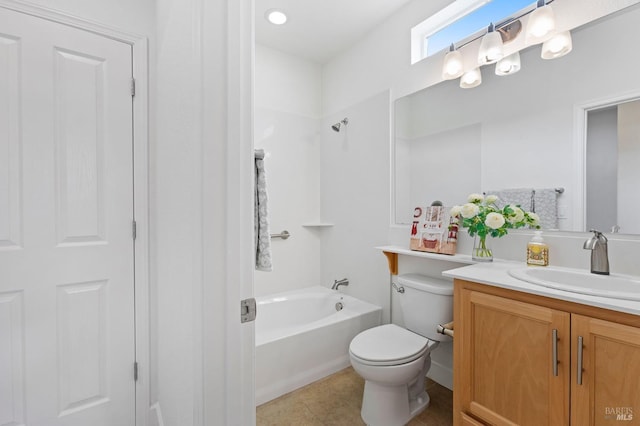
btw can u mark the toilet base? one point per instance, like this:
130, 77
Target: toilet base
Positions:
419, 404
390, 405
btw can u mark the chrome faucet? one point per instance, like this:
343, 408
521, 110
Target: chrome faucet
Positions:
338, 283
599, 256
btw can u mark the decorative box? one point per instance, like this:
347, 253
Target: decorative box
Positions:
434, 230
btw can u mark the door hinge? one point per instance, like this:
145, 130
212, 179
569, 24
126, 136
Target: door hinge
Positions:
134, 229
248, 310
133, 87
135, 371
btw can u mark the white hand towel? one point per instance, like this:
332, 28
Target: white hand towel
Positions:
546, 206
516, 196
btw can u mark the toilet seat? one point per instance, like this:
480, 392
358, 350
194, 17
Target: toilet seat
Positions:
388, 345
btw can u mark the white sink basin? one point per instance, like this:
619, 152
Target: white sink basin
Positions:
579, 281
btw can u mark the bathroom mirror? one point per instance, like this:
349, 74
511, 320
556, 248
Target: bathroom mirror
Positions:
613, 174
530, 130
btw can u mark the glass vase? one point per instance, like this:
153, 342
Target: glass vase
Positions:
482, 251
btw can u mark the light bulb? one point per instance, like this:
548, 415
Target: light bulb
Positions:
471, 79
509, 64
557, 46
541, 24
452, 66
490, 47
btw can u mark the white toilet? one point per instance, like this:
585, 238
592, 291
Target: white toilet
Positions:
394, 360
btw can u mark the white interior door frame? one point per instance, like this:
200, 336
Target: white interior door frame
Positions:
139, 46
227, 186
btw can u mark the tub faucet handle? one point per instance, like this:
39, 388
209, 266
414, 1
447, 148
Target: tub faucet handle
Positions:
338, 283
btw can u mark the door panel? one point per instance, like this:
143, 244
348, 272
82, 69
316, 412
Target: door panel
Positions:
79, 123
82, 346
508, 363
11, 358
66, 207
10, 170
610, 389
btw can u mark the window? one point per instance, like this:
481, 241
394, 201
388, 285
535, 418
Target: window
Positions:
459, 21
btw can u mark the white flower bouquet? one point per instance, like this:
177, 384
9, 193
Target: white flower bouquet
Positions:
483, 218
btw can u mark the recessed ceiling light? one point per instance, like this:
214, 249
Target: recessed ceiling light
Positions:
275, 16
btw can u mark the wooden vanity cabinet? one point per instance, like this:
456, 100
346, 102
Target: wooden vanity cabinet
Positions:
516, 360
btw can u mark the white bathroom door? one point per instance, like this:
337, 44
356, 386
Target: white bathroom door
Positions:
66, 210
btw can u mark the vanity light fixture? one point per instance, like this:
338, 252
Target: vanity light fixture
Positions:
471, 79
452, 65
275, 16
541, 24
490, 47
540, 28
509, 64
557, 46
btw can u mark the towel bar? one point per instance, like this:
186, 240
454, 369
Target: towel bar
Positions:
284, 235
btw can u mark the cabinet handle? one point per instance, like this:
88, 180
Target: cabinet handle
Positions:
579, 360
554, 345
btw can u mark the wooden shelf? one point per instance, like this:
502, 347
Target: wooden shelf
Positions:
392, 253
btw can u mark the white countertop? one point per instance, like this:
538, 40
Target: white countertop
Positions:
496, 274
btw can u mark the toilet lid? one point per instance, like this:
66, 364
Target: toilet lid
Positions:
388, 344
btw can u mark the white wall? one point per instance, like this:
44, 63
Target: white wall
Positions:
176, 175
355, 192
380, 61
444, 166
287, 83
286, 126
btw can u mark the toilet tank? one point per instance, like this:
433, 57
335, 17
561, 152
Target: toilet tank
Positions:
425, 303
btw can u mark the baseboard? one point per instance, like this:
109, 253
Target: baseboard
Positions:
441, 374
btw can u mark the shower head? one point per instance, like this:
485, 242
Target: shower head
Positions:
336, 127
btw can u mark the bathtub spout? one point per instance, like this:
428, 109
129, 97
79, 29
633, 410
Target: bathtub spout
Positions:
338, 283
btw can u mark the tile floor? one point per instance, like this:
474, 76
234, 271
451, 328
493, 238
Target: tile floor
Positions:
336, 401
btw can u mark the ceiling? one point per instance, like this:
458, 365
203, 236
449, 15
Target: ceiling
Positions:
318, 30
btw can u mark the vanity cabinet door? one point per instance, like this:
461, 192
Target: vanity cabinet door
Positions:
605, 389
504, 356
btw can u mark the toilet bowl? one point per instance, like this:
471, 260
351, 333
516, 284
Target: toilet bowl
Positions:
394, 360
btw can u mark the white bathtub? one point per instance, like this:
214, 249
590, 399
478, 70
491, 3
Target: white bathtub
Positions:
301, 337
